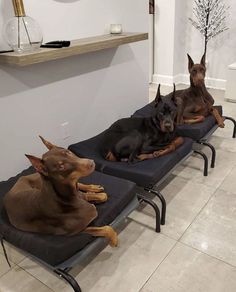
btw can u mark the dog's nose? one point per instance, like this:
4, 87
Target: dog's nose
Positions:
168, 126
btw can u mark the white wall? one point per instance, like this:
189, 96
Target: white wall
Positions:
177, 35
88, 91
164, 39
221, 50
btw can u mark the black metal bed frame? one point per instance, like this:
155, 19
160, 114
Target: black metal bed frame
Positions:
62, 270
204, 141
160, 216
157, 193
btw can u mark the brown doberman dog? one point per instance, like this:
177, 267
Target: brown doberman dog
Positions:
195, 103
52, 201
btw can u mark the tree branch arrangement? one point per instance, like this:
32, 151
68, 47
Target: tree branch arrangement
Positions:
209, 18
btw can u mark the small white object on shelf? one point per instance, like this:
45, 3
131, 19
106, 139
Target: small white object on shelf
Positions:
116, 29
230, 92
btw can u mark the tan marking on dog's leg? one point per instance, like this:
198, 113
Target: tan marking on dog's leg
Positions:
218, 117
96, 197
105, 231
110, 156
90, 188
169, 148
142, 157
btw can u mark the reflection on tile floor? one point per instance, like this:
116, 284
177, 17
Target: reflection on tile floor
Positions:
196, 250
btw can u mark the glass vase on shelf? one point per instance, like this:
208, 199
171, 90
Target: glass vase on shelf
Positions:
22, 32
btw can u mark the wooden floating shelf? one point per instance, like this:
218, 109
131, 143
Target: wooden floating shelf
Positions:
77, 47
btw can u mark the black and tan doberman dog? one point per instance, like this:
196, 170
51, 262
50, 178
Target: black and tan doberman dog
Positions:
52, 201
195, 103
134, 139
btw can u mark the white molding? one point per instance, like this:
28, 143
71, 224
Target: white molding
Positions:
216, 83
163, 79
184, 79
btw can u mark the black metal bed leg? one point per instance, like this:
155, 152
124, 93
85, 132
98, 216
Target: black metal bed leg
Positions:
213, 152
156, 209
234, 122
205, 172
163, 204
69, 279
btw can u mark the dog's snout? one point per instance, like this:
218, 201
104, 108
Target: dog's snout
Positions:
199, 79
168, 126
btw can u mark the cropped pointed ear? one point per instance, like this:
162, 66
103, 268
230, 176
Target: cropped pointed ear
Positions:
203, 60
37, 164
47, 143
158, 95
173, 93
190, 63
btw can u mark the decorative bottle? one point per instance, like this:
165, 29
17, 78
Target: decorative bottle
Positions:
22, 32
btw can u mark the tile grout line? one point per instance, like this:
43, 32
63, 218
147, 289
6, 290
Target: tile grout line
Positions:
34, 277
176, 242
211, 256
8, 271
200, 211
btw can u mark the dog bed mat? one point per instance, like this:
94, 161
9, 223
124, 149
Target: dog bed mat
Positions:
144, 173
194, 131
56, 249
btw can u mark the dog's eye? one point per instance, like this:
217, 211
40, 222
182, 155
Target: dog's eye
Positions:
194, 71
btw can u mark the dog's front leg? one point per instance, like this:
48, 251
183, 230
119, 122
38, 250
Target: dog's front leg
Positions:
218, 117
145, 156
169, 148
95, 197
90, 188
180, 111
105, 231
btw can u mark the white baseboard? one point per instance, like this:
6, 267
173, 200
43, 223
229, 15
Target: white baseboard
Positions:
162, 79
184, 79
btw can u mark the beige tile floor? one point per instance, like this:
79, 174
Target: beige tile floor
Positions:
195, 252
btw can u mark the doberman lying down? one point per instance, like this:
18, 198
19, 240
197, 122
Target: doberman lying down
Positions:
135, 139
195, 103
52, 201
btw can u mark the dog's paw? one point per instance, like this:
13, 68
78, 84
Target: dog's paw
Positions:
97, 188
142, 157
158, 153
102, 197
112, 236
221, 125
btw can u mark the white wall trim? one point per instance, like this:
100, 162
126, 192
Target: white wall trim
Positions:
184, 79
162, 79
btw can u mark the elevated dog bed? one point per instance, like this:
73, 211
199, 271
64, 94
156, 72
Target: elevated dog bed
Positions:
195, 131
145, 174
199, 132
62, 252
